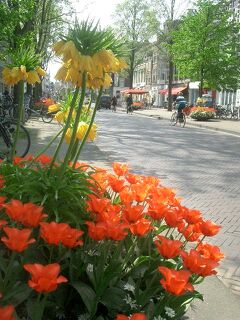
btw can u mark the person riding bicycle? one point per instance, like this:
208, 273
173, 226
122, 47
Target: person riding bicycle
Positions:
180, 105
129, 104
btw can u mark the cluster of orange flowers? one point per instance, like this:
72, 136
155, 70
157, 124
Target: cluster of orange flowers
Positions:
134, 204
202, 109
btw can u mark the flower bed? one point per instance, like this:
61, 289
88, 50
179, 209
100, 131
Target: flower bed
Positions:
98, 244
202, 113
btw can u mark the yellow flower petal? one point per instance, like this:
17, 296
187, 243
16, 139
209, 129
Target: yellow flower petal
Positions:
57, 47
32, 77
53, 108
40, 71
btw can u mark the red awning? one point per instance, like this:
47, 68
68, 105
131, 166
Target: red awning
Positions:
174, 90
134, 91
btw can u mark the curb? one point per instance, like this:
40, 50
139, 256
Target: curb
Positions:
199, 125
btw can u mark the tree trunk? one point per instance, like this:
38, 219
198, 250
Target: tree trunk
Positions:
201, 84
170, 85
131, 69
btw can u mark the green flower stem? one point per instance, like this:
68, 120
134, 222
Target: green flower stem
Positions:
200, 241
45, 148
9, 269
75, 126
19, 117
90, 102
89, 127
38, 312
68, 121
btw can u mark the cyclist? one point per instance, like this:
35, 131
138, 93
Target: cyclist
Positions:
129, 104
180, 105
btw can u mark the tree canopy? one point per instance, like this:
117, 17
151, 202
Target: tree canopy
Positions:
132, 21
206, 47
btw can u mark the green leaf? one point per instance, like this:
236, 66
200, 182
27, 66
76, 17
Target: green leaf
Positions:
87, 294
113, 298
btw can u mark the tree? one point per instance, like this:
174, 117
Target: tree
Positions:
32, 23
206, 47
132, 19
165, 22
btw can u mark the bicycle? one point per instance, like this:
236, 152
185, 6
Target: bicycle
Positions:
178, 119
43, 113
8, 128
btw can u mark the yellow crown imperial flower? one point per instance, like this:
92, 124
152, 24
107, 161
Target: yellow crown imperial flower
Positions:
61, 74
68, 135
53, 108
40, 71
93, 132
60, 116
82, 128
33, 77
57, 47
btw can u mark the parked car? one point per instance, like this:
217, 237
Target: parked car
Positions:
105, 102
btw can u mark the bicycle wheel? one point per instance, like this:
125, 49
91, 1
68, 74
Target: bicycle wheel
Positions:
173, 120
46, 116
23, 142
182, 121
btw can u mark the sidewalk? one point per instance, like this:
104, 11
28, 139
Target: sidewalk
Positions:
219, 302
228, 126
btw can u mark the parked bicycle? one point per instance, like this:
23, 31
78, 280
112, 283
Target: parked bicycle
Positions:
8, 128
42, 112
226, 112
178, 119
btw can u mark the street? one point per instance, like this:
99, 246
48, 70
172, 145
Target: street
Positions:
203, 166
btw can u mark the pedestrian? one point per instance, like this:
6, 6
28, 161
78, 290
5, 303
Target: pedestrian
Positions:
129, 104
114, 104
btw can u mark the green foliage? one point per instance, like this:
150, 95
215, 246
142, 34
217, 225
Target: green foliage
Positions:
68, 197
133, 21
202, 114
206, 46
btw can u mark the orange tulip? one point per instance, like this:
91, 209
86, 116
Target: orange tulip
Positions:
44, 159
126, 196
44, 278
96, 204
168, 248
172, 218
97, 231
133, 178
209, 251
120, 169
18, 240
141, 227
208, 228
192, 216
157, 211
71, 239
2, 201
175, 282
140, 191
56, 233
191, 233
195, 263
133, 213
28, 214
116, 184
6, 313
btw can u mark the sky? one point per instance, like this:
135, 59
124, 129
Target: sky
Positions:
101, 10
